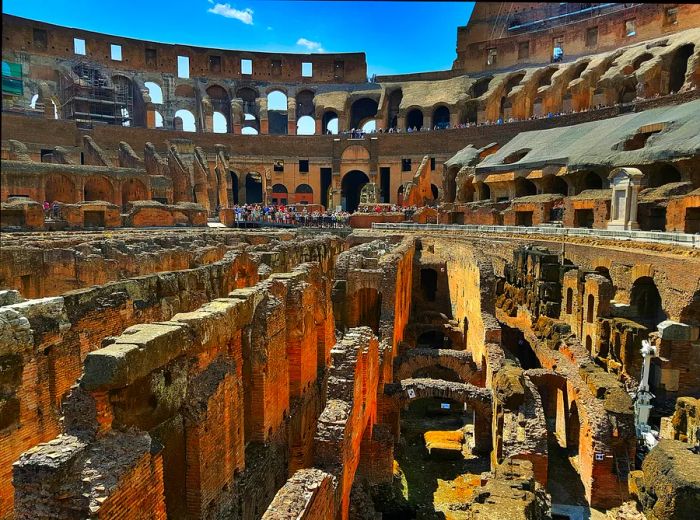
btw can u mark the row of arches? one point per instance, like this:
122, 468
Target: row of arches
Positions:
61, 188
303, 194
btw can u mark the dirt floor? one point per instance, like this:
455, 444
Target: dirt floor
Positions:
426, 479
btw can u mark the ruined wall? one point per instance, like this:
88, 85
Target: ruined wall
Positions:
58, 333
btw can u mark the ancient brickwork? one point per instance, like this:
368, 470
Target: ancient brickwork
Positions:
56, 334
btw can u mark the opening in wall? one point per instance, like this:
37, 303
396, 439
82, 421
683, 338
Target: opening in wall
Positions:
183, 67
307, 69
491, 56
79, 46
303, 166
115, 52
246, 67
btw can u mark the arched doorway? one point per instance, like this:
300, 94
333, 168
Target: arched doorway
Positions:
280, 195
362, 110
414, 119
59, 188
679, 67
592, 181
646, 300
133, 189
329, 122
441, 117
350, 189
253, 188
98, 188
304, 194
277, 115
661, 174
524, 187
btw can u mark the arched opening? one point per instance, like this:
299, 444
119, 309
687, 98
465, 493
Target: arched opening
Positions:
555, 184
516, 156
592, 181
428, 283
508, 87
305, 104
221, 105
277, 113
369, 303
589, 345
661, 174
524, 187
32, 103
546, 77
234, 187
154, 92
589, 308
437, 372
485, 191
253, 188
133, 189
329, 122
435, 191
441, 117
159, 120
433, 339
220, 123
184, 121
369, 126
306, 125
279, 194
361, 110
248, 97
646, 302
637, 62
480, 87
679, 67
393, 107
569, 300
60, 188
304, 194
98, 188
350, 188
437, 442
414, 119
124, 99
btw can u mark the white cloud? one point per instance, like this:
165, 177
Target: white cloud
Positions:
225, 10
311, 45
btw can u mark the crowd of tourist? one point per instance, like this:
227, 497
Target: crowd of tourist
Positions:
295, 216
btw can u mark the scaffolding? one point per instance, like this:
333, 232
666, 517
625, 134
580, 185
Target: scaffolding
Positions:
88, 97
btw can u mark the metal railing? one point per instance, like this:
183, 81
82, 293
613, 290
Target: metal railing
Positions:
679, 239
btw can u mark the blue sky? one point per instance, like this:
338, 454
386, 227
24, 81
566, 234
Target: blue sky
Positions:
398, 37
